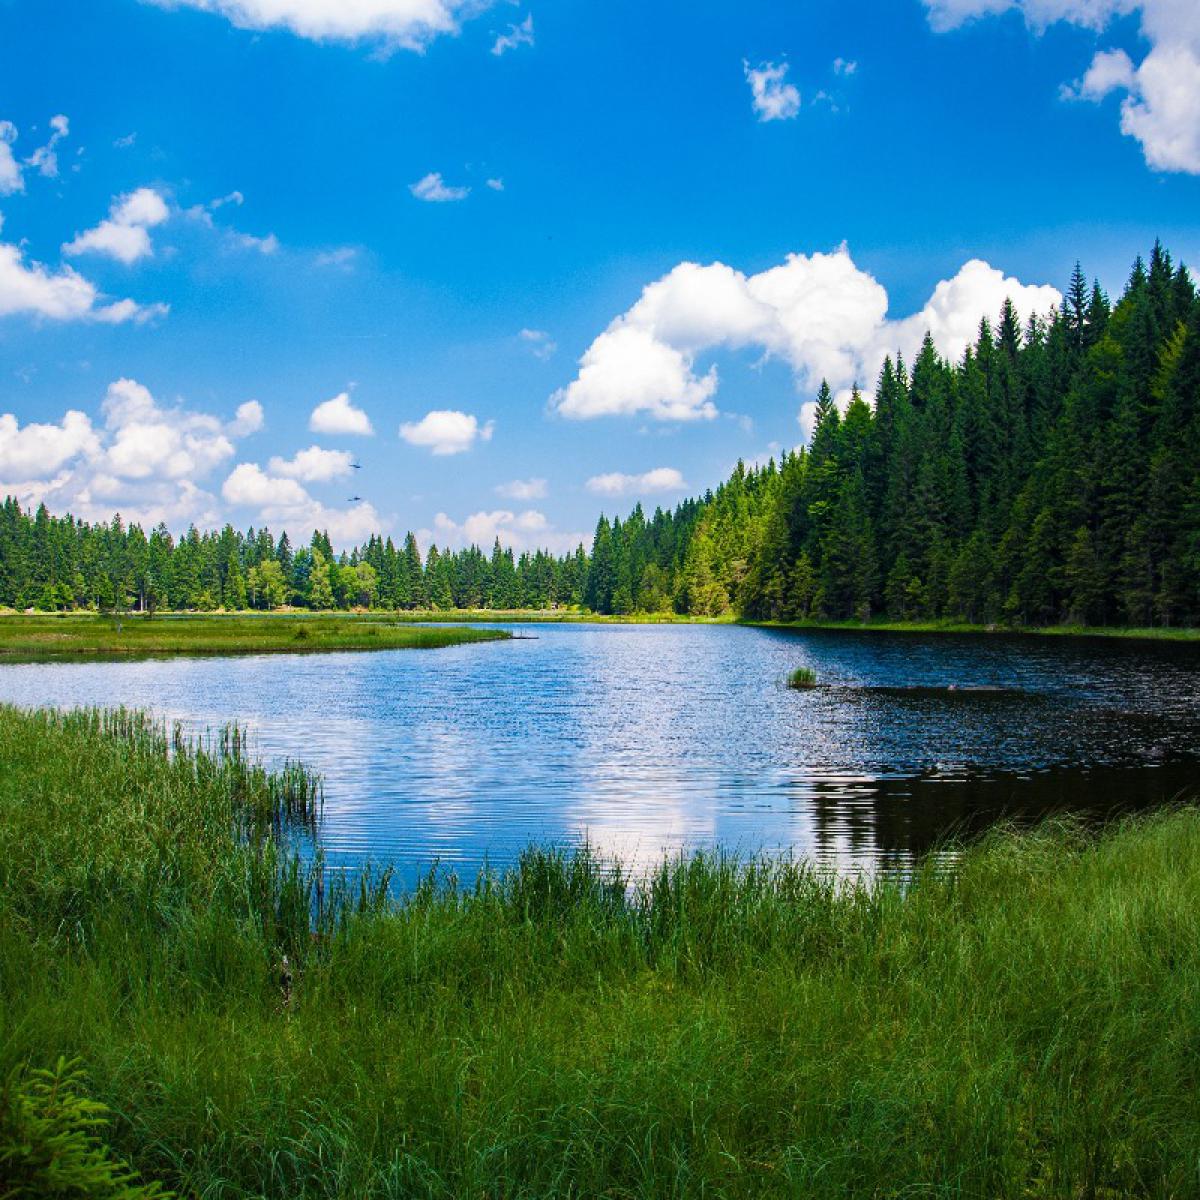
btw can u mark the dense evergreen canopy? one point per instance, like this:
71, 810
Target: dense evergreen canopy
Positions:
1053, 474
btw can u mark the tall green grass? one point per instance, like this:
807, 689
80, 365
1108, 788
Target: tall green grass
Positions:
1027, 1024
79, 636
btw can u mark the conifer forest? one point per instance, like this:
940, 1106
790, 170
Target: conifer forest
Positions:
1050, 476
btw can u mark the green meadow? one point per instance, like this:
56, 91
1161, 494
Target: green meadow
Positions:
30, 637
1023, 1023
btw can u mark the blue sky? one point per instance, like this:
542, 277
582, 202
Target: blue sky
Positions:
473, 224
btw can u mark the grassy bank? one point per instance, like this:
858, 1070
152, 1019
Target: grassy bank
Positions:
86, 636
558, 616
1028, 1026
1149, 633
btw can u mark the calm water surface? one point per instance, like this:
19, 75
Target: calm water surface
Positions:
646, 739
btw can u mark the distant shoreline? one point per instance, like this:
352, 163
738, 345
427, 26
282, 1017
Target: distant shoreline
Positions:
572, 616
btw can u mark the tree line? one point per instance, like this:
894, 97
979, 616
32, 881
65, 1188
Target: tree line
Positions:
1050, 475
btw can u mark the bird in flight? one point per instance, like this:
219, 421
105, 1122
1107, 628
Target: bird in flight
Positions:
357, 466
353, 499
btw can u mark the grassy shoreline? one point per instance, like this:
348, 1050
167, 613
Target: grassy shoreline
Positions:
27, 638
1025, 1026
10, 621
1153, 633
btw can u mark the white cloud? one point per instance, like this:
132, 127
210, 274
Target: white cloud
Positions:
249, 419
314, 465
627, 370
774, 99
844, 66
10, 170
522, 489
124, 235
232, 239
147, 440
446, 431
340, 416
342, 257
517, 35
433, 188
248, 486
540, 343
286, 504
45, 158
1161, 106
145, 461
821, 314
125, 142
96, 498
34, 450
407, 24
528, 530
497, 185
247, 241
62, 295
660, 479
953, 312
1110, 70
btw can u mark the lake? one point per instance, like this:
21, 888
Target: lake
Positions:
648, 739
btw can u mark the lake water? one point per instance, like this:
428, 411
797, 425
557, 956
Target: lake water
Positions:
646, 739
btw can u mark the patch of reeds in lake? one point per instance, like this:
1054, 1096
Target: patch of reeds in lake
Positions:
802, 678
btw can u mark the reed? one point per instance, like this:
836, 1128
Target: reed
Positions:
1022, 1025
801, 678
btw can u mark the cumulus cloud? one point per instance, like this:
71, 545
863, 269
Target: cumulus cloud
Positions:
249, 486
1161, 105
517, 35
145, 460
528, 530
148, 440
497, 185
434, 189
35, 450
11, 179
64, 295
285, 503
522, 489
44, 159
249, 419
150, 462
660, 479
1110, 70
406, 24
821, 314
340, 416
540, 343
844, 66
773, 98
125, 234
627, 370
446, 431
314, 465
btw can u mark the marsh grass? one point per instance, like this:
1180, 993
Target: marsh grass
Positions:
78, 636
1024, 1025
802, 677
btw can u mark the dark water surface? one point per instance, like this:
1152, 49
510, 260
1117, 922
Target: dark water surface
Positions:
649, 738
